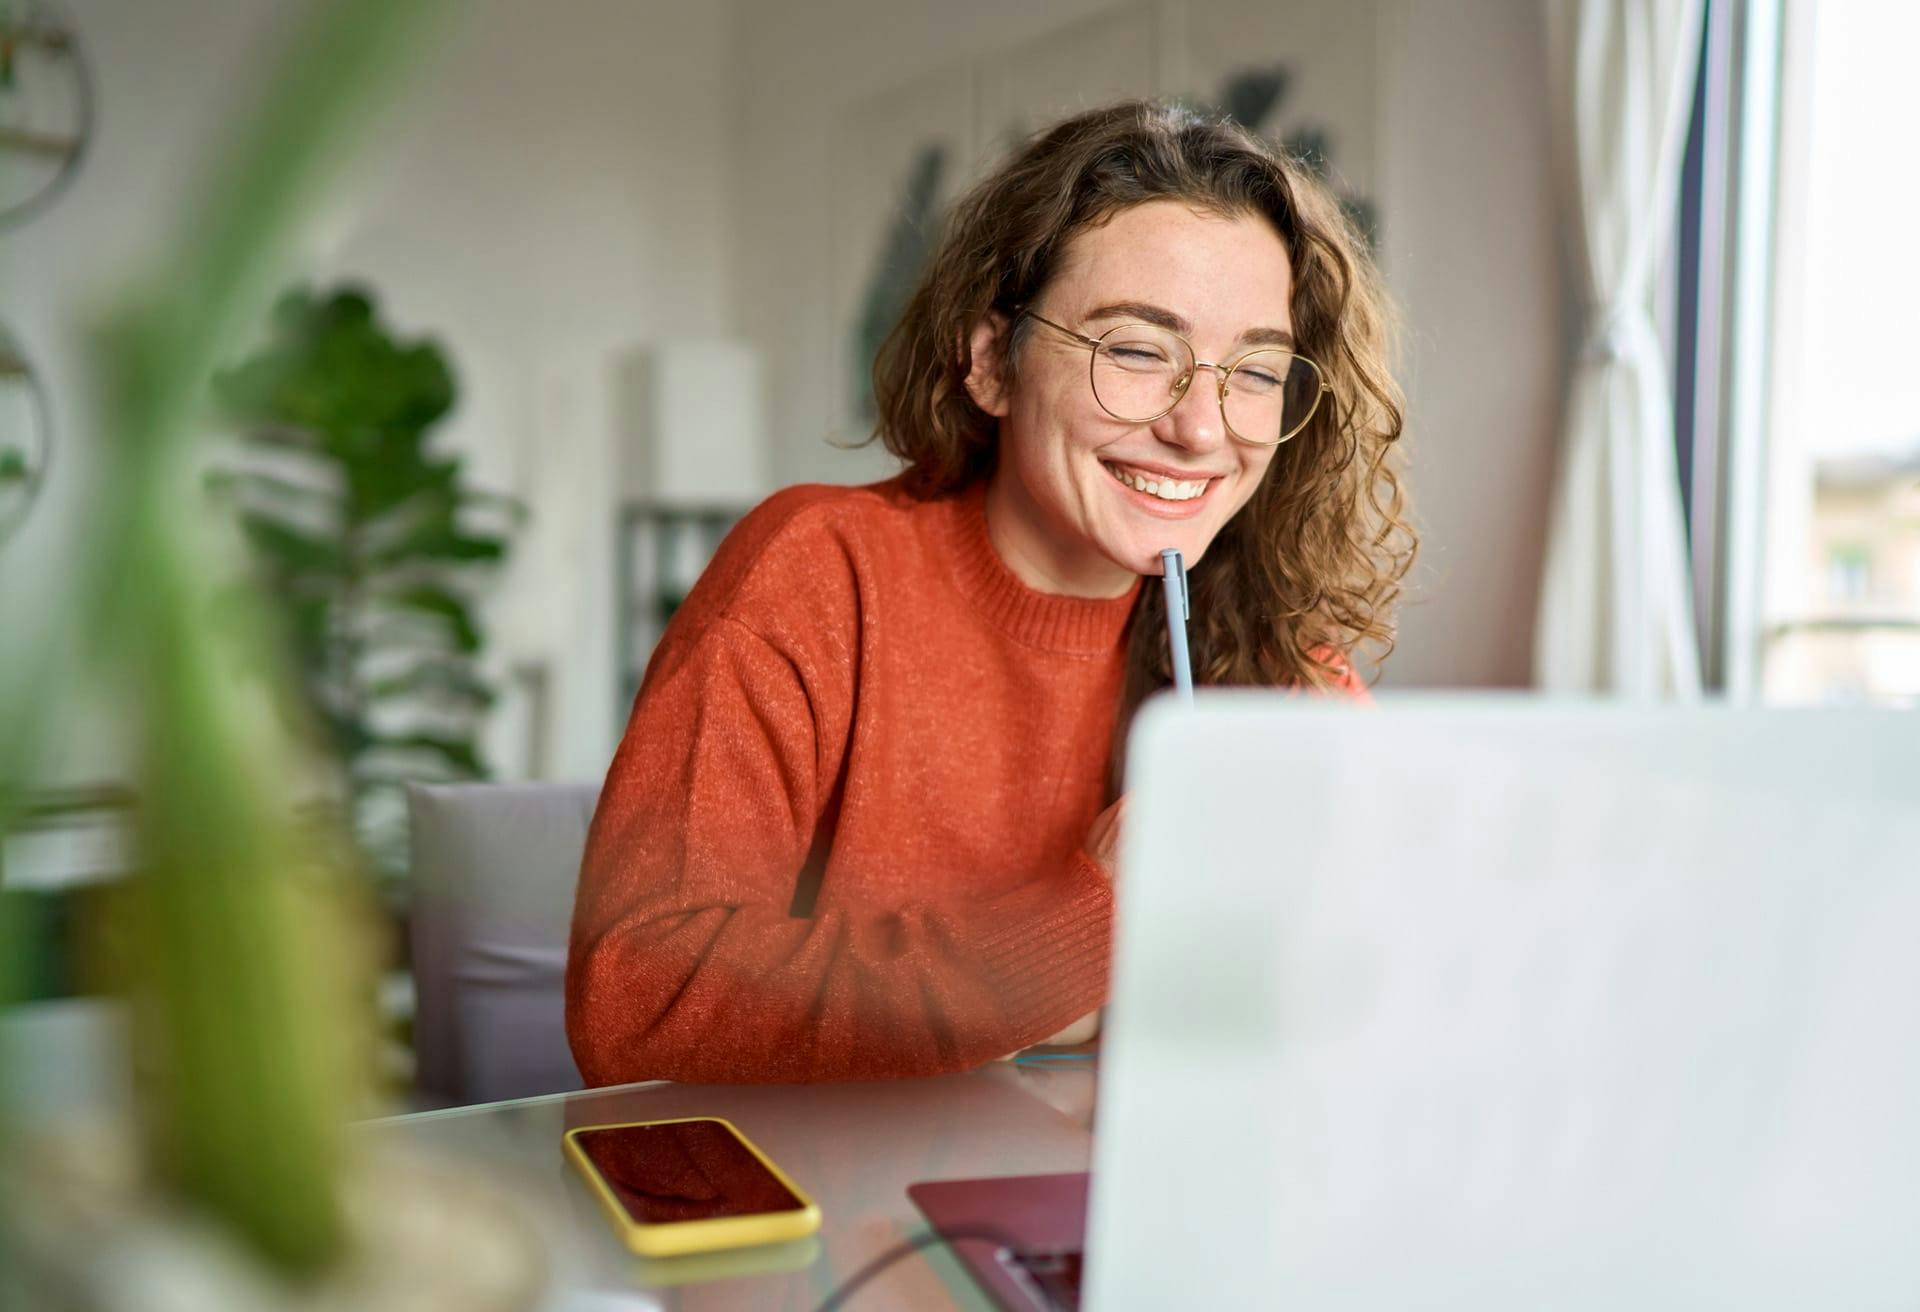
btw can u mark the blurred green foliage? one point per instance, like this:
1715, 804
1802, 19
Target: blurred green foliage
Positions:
242, 945
371, 544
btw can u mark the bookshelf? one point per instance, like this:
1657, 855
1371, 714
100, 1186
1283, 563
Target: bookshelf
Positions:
663, 547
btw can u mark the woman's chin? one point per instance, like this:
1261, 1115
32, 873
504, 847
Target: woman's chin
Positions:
1145, 561
1143, 558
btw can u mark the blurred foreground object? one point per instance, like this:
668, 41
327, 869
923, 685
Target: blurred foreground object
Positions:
419, 1233
242, 953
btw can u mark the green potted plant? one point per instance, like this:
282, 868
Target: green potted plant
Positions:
371, 543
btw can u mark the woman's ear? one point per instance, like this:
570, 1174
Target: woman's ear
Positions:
984, 349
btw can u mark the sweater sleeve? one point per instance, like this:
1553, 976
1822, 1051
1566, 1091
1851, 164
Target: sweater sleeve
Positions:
688, 961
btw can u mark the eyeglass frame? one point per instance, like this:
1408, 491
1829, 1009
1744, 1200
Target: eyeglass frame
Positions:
1093, 345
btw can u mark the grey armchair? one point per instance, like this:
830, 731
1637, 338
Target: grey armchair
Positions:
494, 867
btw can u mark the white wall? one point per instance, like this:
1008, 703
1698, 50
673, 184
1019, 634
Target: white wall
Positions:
553, 201
562, 184
548, 193
800, 68
1473, 256
1469, 247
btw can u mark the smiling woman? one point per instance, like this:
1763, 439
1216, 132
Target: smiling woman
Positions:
1201, 230
863, 822
1098, 473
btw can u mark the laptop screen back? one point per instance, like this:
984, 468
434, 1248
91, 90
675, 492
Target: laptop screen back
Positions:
1497, 1003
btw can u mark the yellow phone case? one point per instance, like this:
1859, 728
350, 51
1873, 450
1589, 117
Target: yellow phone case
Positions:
673, 1238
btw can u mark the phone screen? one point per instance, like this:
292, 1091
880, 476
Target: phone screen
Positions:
684, 1171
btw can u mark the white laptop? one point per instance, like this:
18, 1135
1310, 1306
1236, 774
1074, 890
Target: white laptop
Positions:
1493, 1003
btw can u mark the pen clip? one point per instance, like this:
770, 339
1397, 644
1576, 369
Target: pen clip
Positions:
1173, 559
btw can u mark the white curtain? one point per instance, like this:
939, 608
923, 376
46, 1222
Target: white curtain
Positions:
1616, 612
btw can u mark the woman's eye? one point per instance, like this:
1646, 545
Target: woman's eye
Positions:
1257, 380
1137, 354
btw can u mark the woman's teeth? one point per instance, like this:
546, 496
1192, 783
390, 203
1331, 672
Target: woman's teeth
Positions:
1165, 489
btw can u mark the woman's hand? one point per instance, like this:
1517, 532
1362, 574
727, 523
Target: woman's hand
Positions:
1103, 840
1084, 1030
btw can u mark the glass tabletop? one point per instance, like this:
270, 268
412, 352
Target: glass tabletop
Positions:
854, 1147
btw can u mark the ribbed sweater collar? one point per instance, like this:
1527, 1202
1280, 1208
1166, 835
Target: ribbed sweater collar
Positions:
1075, 625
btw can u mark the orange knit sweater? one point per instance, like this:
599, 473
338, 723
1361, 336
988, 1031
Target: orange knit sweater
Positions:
842, 837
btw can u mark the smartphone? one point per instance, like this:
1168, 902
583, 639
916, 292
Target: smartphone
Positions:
688, 1186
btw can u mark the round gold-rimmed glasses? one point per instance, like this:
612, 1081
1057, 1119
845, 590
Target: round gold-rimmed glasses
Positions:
1141, 371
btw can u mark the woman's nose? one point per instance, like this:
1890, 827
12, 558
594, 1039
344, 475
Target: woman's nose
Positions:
1195, 422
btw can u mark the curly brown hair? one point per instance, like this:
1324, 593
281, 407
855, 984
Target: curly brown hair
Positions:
1303, 579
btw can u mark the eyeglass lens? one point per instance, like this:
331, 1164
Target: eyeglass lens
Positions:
1140, 372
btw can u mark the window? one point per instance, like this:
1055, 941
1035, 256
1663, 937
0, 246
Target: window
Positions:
1849, 570
1820, 574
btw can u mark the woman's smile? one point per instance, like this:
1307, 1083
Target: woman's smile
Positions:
1160, 491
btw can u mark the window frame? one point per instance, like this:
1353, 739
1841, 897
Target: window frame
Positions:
1728, 239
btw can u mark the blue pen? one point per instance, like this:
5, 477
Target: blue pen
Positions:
1173, 577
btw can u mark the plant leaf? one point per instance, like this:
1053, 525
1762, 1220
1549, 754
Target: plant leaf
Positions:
448, 680
263, 492
438, 539
442, 604
290, 549
459, 754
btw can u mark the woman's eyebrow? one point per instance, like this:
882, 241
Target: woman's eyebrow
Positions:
1160, 316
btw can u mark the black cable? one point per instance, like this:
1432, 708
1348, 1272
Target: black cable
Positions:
838, 1298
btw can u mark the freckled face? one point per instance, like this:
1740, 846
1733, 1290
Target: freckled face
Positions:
1081, 502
